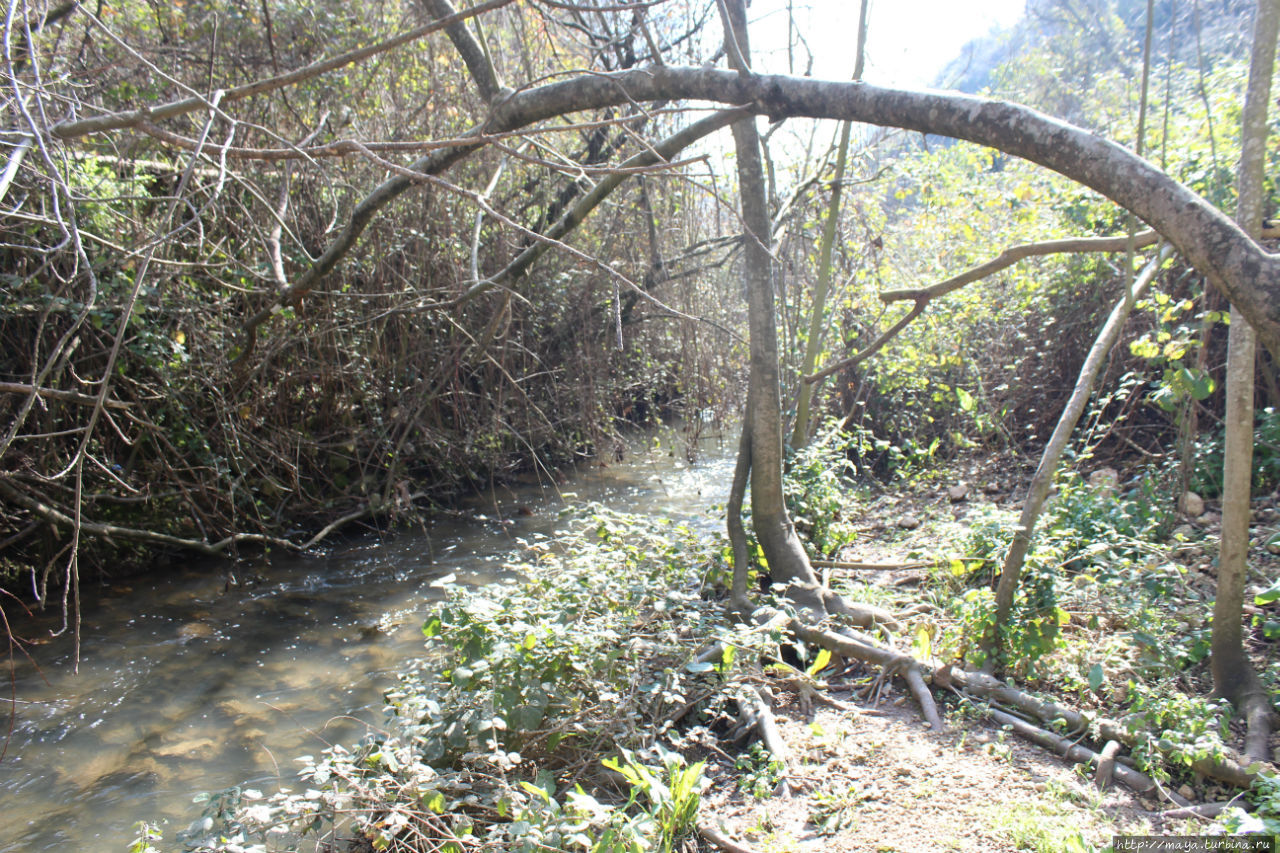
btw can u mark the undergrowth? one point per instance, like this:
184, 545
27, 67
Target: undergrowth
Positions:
498, 733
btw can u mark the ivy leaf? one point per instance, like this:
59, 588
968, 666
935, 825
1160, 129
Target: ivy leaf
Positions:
1095, 677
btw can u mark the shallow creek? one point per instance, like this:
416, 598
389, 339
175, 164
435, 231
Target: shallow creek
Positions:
186, 685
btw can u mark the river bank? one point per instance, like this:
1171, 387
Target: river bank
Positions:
186, 684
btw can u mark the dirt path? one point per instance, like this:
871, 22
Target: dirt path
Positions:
879, 780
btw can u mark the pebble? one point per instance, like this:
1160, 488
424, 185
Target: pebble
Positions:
1187, 792
958, 492
908, 522
1209, 518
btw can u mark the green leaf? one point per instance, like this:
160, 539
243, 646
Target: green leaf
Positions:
1268, 595
433, 800
536, 791
967, 402
1095, 677
923, 642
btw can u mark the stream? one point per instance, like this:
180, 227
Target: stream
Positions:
187, 685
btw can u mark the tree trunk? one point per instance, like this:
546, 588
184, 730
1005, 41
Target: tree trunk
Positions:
1233, 676
788, 563
817, 320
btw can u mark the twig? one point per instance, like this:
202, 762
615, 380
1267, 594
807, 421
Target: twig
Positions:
132, 118
58, 394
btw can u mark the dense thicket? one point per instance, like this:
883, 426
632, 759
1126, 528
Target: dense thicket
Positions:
376, 391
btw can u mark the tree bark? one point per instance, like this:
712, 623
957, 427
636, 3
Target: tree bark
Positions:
1233, 675
788, 563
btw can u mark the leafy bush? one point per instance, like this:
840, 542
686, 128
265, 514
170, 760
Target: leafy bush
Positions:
1207, 478
816, 490
527, 683
1083, 535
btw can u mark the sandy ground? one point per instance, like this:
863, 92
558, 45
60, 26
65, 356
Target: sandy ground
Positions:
879, 780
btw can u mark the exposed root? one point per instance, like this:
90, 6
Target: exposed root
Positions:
757, 714
862, 615
716, 838
1204, 811
1106, 764
1138, 782
864, 650
1256, 709
1228, 767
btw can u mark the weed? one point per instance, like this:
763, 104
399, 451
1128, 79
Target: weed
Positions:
1043, 828
760, 772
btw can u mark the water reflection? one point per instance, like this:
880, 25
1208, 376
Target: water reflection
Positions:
188, 685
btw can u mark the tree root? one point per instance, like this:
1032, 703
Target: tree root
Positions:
1204, 811
1139, 782
1256, 710
716, 838
864, 649
1106, 764
862, 615
757, 714
1229, 767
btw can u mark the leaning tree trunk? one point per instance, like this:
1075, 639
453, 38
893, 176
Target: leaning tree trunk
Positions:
1233, 676
788, 563
1042, 480
817, 319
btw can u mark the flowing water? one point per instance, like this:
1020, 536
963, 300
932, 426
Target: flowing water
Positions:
186, 684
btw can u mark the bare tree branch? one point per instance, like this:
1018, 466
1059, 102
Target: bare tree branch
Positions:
132, 118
